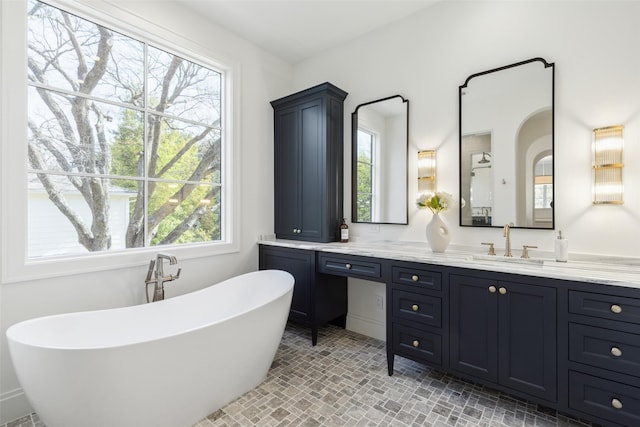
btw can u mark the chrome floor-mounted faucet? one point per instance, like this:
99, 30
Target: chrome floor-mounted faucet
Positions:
156, 270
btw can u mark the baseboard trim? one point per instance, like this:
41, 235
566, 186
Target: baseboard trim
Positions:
367, 326
14, 405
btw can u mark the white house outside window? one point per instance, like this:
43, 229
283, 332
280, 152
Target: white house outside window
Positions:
125, 141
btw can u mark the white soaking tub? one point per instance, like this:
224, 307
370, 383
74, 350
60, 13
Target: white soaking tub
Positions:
168, 363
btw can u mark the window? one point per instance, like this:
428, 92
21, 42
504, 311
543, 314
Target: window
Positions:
365, 201
543, 184
154, 119
125, 141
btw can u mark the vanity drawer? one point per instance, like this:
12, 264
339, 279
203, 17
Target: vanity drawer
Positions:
605, 348
418, 308
417, 345
605, 306
345, 265
417, 277
606, 399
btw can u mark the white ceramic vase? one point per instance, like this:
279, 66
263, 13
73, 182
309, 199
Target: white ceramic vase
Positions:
438, 234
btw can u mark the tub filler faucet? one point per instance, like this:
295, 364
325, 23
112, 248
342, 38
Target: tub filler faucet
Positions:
156, 271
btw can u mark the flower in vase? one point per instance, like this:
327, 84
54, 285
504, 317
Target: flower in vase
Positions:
436, 202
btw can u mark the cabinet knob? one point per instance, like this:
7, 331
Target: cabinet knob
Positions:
415, 278
616, 403
415, 307
616, 351
615, 308
502, 290
492, 289
348, 266
416, 343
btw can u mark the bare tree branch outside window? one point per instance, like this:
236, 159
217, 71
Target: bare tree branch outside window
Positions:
115, 121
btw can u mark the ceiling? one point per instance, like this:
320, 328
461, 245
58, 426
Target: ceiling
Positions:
296, 29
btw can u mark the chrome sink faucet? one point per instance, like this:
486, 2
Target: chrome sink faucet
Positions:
507, 235
156, 269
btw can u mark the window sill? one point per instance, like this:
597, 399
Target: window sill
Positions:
106, 261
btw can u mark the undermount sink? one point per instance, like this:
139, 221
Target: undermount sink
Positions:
614, 267
511, 260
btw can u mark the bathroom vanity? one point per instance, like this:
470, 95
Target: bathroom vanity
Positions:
566, 336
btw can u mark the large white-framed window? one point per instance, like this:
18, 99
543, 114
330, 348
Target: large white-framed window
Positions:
114, 144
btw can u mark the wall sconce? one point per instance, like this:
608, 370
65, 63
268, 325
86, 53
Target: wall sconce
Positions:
426, 171
607, 165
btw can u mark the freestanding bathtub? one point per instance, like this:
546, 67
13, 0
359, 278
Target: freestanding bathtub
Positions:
169, 363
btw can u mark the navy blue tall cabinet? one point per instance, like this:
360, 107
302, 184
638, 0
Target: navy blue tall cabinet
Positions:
308, 163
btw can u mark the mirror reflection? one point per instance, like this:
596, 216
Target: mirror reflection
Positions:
380, 135
506, 146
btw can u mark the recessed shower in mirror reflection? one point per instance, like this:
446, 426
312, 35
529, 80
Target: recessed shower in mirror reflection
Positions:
481, 188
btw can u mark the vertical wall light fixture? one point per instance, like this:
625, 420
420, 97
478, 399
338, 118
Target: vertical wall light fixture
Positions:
426, 171
607, 165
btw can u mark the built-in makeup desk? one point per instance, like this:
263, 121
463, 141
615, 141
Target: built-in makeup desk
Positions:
565, 335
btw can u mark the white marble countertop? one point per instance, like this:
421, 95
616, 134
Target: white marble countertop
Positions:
617, 271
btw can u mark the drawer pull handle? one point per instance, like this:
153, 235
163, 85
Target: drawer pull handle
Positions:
415, 278
416, 343
616, 351
615, 308
348, 266
616, 403
502, 291
415, 307
492, 289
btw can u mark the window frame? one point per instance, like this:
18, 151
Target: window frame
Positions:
15, 266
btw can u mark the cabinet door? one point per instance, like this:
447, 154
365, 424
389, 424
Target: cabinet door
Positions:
313, 182
474, 322
286, 165
300, 265
527, 338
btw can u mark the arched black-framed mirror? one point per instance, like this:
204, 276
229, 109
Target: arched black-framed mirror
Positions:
380, 142
507, 145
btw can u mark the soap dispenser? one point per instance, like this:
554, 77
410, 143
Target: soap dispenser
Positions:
344, 231
562, 248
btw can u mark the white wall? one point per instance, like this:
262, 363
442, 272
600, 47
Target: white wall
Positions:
393, 159
263, 78
427, 56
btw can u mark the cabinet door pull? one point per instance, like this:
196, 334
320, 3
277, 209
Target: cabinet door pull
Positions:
415, 278
616, 403
502, 290
416, 343
492, 289
348, 266
615, 308
616, 351
415, 307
